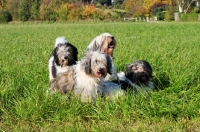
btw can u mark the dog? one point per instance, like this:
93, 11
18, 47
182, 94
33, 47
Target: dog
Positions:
85, 78
137, 77
64, 55
105, 42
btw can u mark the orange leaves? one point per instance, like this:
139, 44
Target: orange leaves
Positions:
148, 3
88, 11
167, 2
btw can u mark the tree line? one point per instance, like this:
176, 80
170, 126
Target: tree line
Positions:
72, 10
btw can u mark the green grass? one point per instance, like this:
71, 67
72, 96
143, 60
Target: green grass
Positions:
173, 50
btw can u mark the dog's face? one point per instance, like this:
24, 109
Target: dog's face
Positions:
105, 43
139, 72
97, 64
65, 54
109, 44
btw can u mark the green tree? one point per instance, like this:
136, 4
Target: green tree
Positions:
24, 12
133, 7
13, 7
183, 5
3, 3
5, 16
35, 10
169, 15
63, 12
48, 10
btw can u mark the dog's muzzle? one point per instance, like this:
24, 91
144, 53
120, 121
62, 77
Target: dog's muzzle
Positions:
100, 72
143, 77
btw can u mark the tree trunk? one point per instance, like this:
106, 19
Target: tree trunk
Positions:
180, 8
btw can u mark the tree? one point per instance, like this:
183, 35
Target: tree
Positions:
34, 11
133, 7
48, 9
3, 3
24, 12
63, 12
184, 5
105, 2
147, 4
5, 16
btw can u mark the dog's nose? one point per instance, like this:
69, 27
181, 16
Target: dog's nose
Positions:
65, 57
100, 69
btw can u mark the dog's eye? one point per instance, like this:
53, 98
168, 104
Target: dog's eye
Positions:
69, 50
112, 44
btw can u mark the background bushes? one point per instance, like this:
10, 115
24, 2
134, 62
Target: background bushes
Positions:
188, 17
74, 10
5, 16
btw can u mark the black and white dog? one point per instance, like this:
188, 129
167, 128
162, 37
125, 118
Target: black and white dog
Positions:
64, 55
137, 76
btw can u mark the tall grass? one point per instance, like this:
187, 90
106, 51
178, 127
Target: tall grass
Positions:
171, 48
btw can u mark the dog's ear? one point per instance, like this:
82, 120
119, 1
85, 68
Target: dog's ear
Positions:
74, 51
55, 55
109, 64
129, 71
86, 64
114, 40
148, 67
98, 43
101, 40
95, 46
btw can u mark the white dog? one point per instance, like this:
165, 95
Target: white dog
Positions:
63, 56
85, 78
105, 42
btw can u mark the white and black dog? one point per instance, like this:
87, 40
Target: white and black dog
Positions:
106, 43
85, 78
137, 76
64, 55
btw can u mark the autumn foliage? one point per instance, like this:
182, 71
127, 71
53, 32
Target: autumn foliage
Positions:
73, 10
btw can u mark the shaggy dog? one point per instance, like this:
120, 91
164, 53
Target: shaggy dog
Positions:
105, 42
85, 78
137, 76
63, 56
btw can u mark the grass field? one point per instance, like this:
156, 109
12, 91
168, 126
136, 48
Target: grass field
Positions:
173, 50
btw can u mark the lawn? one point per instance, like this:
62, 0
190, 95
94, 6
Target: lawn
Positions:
172, 49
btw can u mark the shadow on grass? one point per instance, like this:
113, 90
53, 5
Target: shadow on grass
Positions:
161, 81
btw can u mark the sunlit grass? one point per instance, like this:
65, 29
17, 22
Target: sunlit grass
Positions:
171, 48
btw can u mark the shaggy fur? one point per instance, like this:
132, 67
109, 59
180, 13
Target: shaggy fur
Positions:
105, 42
63, 56
111, 90
137, 76
85, 78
